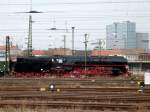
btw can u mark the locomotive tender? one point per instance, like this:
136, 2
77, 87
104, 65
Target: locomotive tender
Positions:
70, 66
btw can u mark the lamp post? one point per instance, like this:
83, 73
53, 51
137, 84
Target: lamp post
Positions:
7, 55
73, 28
100, 44
29, 43
64, 40
85, 58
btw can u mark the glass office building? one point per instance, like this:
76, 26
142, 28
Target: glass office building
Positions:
121, 35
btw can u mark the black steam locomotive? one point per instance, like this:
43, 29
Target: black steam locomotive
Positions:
70, 66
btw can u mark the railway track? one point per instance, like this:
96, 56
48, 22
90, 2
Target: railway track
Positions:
76, 89
74, 105
80, 95
65, 81
134, 98
70, 100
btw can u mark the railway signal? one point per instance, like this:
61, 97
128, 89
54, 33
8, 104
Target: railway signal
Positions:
51, 87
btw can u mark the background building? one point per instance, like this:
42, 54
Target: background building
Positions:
59, 51
14, 52
142, 40
39, 52
121, 35
130, 54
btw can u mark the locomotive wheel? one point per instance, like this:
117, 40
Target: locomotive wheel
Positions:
116, 71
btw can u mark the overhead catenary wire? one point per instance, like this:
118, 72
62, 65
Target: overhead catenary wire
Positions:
81, 3
81, 17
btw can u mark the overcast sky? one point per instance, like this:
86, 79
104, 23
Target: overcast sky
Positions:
87, 16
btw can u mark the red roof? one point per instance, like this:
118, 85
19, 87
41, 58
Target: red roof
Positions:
38, 52
117, 52
105, 52
3, 47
